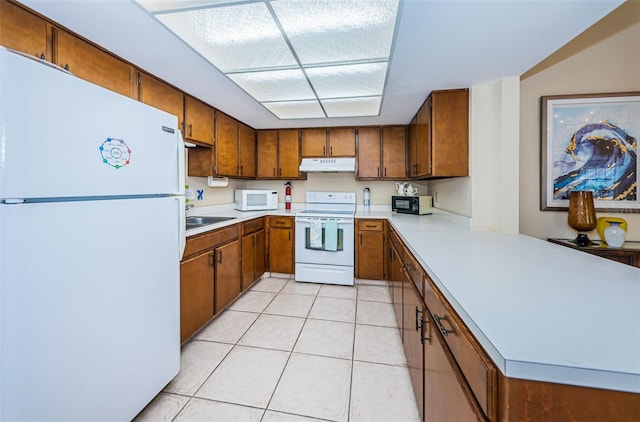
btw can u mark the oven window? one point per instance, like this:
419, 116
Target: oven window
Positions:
307, 239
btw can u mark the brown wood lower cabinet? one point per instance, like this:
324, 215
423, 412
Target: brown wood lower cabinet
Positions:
196, 293
227, 261
281, 244
209, 277
253, 252
370, 249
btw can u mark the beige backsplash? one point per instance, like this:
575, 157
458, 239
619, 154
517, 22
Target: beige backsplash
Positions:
381, 191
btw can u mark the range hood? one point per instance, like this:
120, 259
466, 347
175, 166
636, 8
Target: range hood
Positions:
328, 165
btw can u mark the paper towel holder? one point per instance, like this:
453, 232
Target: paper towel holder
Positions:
217, 182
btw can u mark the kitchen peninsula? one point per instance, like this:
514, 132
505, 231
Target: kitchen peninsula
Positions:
543, 313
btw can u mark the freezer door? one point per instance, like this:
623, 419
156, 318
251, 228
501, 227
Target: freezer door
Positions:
90, 308
65, 137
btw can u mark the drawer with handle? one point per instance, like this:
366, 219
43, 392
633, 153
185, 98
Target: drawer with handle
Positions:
371, 225
252, 226
281, 222
477, 368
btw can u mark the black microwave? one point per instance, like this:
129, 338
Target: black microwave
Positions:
418, 205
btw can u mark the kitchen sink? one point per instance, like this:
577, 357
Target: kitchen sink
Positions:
197, 221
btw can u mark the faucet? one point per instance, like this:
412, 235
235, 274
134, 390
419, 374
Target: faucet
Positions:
188, 206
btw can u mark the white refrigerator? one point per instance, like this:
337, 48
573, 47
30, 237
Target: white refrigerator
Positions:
92, 232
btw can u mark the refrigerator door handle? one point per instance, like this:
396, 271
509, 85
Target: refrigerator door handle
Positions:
181, 195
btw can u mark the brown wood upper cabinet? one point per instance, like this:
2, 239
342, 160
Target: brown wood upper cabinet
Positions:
439, 136
92, 64
227, 145
198, 122
162, 96
278, 154
23, 31
235, 148
332, 142
382, 152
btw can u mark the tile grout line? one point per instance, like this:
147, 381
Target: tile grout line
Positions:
291, 352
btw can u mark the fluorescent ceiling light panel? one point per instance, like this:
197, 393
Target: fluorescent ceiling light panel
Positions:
296, 109
286, 52
352, 107
355, 80
233, 38
277, 85
329, 31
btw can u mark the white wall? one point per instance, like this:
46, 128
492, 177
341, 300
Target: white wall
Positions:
605, 58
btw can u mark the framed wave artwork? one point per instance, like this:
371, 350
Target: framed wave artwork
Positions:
590, 142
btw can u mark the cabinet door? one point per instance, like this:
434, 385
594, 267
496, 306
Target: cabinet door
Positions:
261, 238
396, 283
449, 133
248, 261
314, 142
445, 398
228, 272
267, 154
288, 154
423, 140
23, 31
370, 255
281, 251
227, 145
92, 64
247, 151
198, 121
196, 293
412, 339
369, 157
158, 94
412, 147
342, 142
394, 152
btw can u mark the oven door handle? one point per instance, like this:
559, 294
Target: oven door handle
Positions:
338, 220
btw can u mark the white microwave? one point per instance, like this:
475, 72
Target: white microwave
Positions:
255, 200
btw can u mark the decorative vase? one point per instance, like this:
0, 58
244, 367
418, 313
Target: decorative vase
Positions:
582, 215
614, 235
604, 222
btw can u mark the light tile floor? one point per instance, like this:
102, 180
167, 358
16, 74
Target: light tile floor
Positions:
286, 352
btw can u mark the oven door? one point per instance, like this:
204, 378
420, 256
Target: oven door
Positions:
310, 252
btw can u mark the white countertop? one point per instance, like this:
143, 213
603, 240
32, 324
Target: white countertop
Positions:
541, 311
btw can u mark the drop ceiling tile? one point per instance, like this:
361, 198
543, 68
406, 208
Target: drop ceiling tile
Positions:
296, 109
326, 31
352, 107
279, 85
357, 80
233, 38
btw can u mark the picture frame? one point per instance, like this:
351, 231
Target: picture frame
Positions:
590, 142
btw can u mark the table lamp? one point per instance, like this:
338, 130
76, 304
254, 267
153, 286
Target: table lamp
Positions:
582, 215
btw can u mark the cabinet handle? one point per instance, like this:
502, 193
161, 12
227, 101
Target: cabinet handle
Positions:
289, 235
274, 172
42, 56
385, 172
331, 151
378, 171
371, 226
361, 239
191, 129
220, 258
241, 170
66, 66
417, 324
280, 171
422, 336
438, 320
324, 150
212, 261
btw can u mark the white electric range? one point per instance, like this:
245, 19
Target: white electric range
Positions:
325, 238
